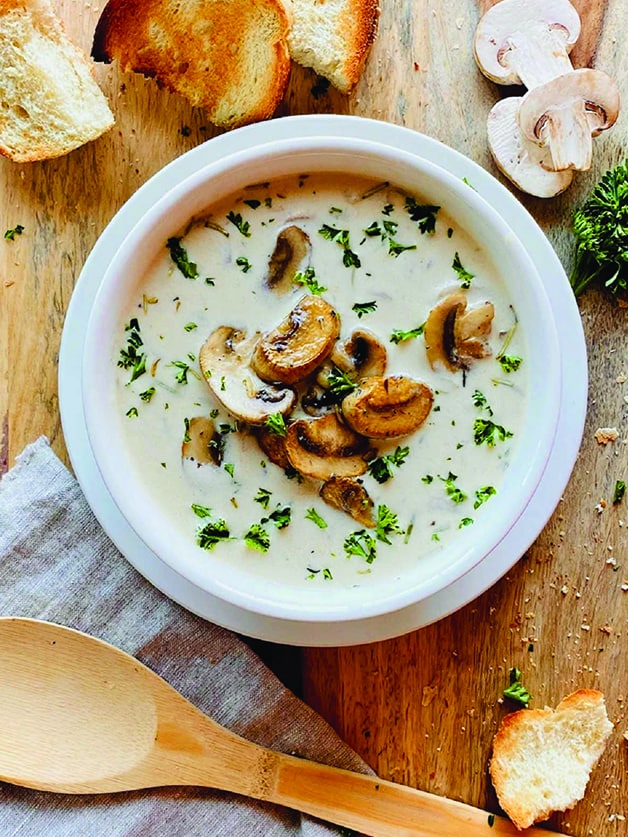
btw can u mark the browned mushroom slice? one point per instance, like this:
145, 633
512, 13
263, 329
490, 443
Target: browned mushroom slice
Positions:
225, 364
274, 446
385, 408
362, 355
300, 343
454, 335
350, 496
201, 441
324, 447
290, 255
318, 401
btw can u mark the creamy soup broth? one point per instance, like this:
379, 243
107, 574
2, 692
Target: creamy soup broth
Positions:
386, 280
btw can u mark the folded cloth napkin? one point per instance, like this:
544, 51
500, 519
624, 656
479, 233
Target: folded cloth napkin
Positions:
57, 564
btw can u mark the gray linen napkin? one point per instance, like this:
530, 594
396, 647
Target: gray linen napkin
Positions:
56, 563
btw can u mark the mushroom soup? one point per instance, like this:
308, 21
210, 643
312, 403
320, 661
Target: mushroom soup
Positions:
322, 381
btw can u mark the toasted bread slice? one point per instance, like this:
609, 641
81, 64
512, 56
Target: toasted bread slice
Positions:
333, 37
542, 758
229, 57
49, 101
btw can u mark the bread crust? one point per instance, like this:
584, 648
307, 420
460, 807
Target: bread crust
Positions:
229, 57
363, 21
510, 754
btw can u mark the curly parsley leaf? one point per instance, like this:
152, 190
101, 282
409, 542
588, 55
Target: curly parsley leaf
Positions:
361, 544
382, 467
387, 524
516, 690
276, 424
341, 237
509, 363
463, 274
488, 432
309, 280
423, 214
315, 517
179, 256
453, 492
9, 235
257, 538
242, 226
212, 533
131, 357
400, 336
483, 494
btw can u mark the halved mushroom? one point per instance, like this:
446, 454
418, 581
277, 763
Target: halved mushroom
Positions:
526, 41
455, 335
566, 112
291, 253
324, 447
522, 161
225, 364
201, 441
350, 496
300, 343
362, 355
385, 408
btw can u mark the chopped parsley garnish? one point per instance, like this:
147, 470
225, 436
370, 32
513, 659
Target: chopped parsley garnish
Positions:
133, 412
276, 424
182, 375
453, 492
212, 533
147, 394
130, 357
244, 264
327, 574
315, 517
480, 401
229, 468
243, 227
263, 497
464, 275
466, 521
281, 517
339, 382
179, 256
361, 544
309, 280
509, 363
341, 237
381, 468
387, 524
386, 232
253, 203
189, 327
618, 493
516, 690
201, 511
423, 214
362, 308
257, 538
427, 479
487, 431
9, 235
400, 336
483, 494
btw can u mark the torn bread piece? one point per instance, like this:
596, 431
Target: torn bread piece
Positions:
229, 57
542, 758
333, 37
49, 101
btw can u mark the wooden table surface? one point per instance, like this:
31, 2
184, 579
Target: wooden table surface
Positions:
421, 709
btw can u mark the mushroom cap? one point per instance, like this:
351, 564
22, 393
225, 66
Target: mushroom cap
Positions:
595, 89
523, 162
513, 24
225, 363
350, 496
325, 447
200, 439
387, 407
455, 335
362, 355
300, 343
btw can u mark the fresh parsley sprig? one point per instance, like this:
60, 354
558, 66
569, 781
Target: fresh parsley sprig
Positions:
382, 467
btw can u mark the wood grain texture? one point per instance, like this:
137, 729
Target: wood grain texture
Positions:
421, 709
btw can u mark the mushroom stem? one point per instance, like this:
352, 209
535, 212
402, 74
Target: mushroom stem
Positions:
566, 132
536, 56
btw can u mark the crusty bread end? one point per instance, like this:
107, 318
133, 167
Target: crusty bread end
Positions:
333, 37
542, 758
229, 57
49, 101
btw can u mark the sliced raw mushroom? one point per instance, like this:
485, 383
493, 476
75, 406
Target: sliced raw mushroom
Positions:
526, 41
566, 112
201, 441
385, 408
350, 496
522, 161
362, 355
454, 335
300, 343
291, 254
224, 360
324, 447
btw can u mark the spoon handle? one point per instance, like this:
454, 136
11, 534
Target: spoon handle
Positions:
379, 808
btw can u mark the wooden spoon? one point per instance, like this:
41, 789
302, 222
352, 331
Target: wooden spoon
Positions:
80, 716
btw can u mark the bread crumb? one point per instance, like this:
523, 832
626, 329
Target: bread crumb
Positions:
605, 435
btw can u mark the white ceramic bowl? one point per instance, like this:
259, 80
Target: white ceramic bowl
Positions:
123, 476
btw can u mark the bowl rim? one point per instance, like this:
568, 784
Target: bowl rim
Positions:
100, 437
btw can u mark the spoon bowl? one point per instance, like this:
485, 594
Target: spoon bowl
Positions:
80, 716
